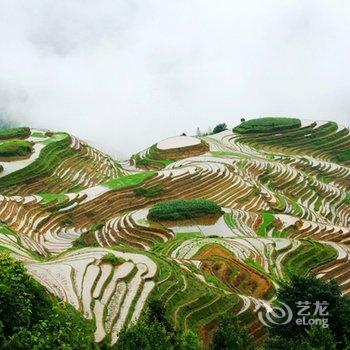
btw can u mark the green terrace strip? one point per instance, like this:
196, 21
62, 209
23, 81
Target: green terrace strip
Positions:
309, 255
229, 220
326, 138
180, 209
343, 156
57, 136
267, 220
21, 132
155, 158
255, 265
51, 197
188, 235
7, 231
113, 259
15, 148
39, 134
347, 198
189, 302
149, 192
56, 150
267, 125
228, 154
129, 180
148, 161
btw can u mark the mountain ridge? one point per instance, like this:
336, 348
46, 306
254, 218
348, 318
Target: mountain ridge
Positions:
284, 190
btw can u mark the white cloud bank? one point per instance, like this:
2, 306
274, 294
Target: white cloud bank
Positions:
124, 74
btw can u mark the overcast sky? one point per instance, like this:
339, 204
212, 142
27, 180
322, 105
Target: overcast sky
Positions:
126, 73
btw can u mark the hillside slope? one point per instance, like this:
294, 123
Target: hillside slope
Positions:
284, 192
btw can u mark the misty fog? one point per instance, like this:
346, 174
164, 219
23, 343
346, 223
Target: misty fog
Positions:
125, 74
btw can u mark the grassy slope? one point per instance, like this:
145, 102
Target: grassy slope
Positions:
129, 180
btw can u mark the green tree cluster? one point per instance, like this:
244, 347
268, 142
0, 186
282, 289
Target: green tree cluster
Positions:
232, 335
296, 336
154, 332
219, 128
31, 319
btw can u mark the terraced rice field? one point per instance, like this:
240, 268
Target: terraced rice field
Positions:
285, 199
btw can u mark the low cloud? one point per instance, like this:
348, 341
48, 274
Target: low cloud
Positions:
124, 74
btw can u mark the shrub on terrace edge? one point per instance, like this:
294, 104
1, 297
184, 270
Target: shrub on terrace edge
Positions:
220, 127
180, 209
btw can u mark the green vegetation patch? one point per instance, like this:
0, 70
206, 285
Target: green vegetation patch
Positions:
57, 136
153, 159
183, 209
129, 180
113, 259
229, 154
21, 132
268, 219
147, 161
297, 209
347, 198
187, 235
229, 220
323, 178
31, 318
39, 134
267, 124
76, 188
86, 239
255, 266
15, 148
7, 231
327, 334
308, 256
343, 156
219, 128
158, 159
150, 192
50, 156
51, 197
